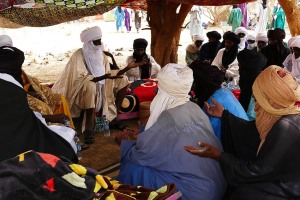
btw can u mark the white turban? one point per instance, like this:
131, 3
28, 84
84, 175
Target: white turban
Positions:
174, 84
241, 30
262, 37
250, 37
198, 37
93, 56
90, 34
294, 42
5, 40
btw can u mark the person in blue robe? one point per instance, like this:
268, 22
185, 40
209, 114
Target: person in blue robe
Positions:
157, 157
208, 80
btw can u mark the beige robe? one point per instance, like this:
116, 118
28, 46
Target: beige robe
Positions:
81, 93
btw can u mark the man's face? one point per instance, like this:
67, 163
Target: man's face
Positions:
261, 44
198, 43
212, 39
272, 41
296, 52
251, 41
241, 35
139, 51
228, 45
97, 42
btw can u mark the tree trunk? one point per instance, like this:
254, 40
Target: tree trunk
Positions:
165, 25
292, 13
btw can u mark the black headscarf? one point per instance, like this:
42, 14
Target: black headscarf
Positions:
213, 34
141, 43
278, 52
251, 64
230, 56
207, 79
264, 4
11, 60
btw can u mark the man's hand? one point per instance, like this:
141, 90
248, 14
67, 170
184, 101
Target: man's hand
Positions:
57, 118
114, 77
108, 54
215, 110
133, 64
105, 76
206, 150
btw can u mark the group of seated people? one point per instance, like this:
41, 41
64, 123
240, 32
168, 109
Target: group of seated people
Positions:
236, 158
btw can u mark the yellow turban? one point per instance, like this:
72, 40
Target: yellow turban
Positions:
275, 91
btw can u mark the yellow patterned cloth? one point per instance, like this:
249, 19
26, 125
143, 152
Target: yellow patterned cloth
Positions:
48, 102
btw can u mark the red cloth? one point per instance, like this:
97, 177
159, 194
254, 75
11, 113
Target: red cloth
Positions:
236, 93
146, 91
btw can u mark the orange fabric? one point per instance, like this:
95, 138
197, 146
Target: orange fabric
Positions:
63, 108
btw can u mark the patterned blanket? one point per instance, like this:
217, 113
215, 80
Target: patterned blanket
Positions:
33, 175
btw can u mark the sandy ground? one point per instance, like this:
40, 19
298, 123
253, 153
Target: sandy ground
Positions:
48, 49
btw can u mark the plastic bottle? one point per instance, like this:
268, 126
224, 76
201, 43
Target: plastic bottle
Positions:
78, 146
98, 124
106, 130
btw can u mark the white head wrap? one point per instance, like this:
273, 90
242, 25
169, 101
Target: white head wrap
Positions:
93, 55
5, 40
250, 37
294, 41
241, 30
262, 37
174, 83
243, 40
198, 37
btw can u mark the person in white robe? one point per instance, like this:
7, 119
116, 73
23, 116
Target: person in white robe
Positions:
261, 41
242, 32
149, 70
89, 84
262, 17
296, 59
226, 57
251, 41
287, 63
193, 50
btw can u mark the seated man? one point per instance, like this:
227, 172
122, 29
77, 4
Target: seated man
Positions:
208, 80
261, 41
251, 41
276, 51
209, 50
226, 57
20, 129
89, 84
259, 162
242, 33
52, 106
157, 157
193, 50
149, 69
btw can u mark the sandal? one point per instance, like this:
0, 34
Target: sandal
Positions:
88, 137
